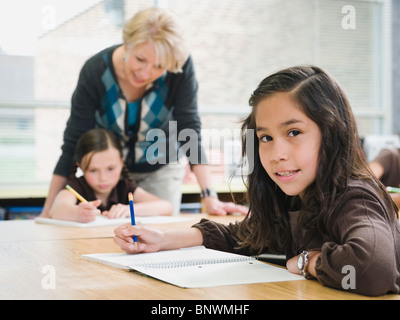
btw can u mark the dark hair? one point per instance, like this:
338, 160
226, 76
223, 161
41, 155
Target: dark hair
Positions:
93, 141
320, 97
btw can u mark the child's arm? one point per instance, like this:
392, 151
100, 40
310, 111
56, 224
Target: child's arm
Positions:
146, 204
65, 208
377, 169
361, 256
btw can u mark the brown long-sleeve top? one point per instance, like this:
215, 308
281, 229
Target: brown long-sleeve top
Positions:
365, 243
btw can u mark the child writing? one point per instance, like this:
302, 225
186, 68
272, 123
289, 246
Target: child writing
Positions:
105, 184
311, 193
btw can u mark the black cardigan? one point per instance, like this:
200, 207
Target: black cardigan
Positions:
87, 107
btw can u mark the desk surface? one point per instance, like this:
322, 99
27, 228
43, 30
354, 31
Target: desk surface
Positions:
28, 230
32, 248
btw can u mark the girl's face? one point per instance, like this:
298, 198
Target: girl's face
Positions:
104, 170
141, 64
289, 143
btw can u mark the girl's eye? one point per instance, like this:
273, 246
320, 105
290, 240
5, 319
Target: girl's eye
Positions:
294, 133
265, 138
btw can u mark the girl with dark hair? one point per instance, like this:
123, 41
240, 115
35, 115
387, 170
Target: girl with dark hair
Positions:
105, 183
311, 193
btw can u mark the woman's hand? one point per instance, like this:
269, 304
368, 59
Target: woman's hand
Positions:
148, 239
217, 207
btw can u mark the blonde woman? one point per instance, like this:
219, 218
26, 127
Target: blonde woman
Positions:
145, 91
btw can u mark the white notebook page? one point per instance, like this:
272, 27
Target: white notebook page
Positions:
197, 267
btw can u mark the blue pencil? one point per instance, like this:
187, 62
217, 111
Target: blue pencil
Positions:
130, 197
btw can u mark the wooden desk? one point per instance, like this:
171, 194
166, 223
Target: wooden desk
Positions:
27, 230
34, 247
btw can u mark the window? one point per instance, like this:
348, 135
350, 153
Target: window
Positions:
234, 43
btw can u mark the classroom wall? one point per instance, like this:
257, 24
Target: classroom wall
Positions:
396, 65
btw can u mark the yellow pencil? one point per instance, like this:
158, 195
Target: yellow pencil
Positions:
76, 194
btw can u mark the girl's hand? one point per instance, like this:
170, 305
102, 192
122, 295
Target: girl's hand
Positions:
148, 239
117, 211
87, 211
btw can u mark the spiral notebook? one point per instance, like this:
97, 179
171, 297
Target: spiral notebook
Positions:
197, 267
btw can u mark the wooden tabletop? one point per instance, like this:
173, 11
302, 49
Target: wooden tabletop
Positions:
44, 262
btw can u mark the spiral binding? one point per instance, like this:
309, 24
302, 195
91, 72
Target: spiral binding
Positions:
192, 262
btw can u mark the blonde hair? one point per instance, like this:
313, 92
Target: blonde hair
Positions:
160, 27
